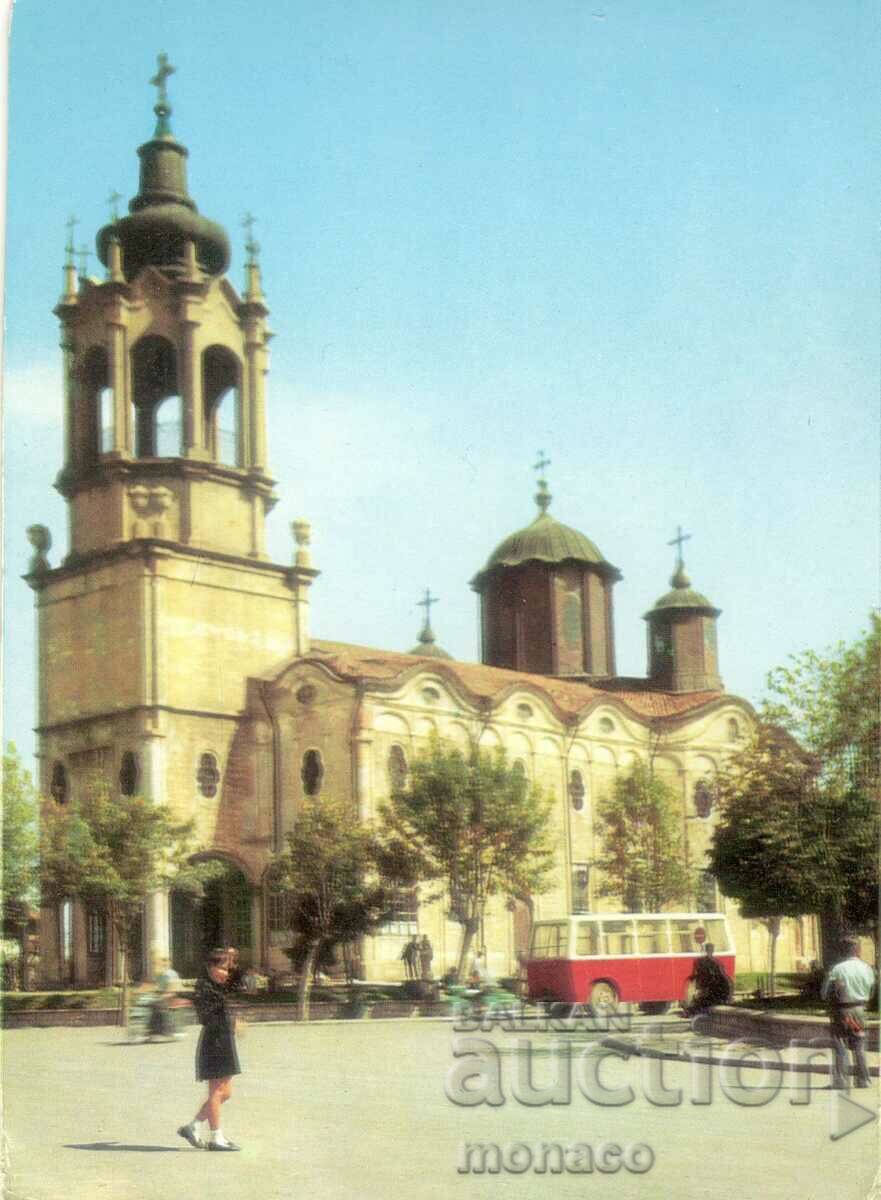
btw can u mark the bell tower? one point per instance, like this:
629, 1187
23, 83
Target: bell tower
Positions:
164, 368
165, 604
683, 654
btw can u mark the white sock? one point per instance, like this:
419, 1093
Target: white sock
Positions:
217, 1137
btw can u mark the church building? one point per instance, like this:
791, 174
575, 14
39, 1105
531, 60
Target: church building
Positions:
175, 659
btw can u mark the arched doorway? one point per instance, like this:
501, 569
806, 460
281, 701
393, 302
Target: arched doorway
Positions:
221, 916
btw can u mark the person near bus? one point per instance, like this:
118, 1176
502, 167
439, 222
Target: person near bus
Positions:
711, 985
847, 987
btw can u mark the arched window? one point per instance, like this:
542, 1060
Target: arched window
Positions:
208, 775
58, 786
518, 767
279, 903
707, 895
703, 798
312, 773
154, 379
397, 768
220, 391
129, 774
97, 406
733, 730
576, 790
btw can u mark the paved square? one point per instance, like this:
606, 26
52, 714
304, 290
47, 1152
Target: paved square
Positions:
358, 1110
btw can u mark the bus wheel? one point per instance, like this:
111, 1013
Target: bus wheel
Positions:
653, 1008
603, 997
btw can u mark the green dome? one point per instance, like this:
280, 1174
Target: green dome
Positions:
683, 596
545, 540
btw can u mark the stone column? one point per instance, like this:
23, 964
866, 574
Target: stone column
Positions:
191, 387
157, 931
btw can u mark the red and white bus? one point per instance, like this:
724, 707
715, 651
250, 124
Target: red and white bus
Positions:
599, 959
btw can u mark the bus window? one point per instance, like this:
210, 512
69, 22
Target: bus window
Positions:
618, 937
651, 937
717, 935
549, 941
587, 939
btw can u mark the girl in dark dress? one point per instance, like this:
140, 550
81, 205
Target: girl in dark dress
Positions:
216, 1057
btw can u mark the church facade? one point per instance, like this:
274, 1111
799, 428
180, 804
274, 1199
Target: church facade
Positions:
175, 659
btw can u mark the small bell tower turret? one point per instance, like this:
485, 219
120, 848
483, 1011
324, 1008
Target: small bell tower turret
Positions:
683, 654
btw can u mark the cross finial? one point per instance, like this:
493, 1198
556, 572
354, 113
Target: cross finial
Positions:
426, 603
83, 254
542, 496
252, 248
113, 200
70, 225
158, 80
427, 635
678, 542
162, 108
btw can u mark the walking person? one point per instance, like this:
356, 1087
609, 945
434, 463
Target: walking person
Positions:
216, 1057
848, 987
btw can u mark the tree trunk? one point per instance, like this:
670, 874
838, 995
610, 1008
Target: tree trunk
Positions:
773, 933
833, 931
24, 980
306, 981
123, 992
469, 928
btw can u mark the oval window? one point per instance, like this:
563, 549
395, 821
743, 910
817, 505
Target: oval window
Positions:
129, 774
312, 772
576, 790
397, 768
208, 775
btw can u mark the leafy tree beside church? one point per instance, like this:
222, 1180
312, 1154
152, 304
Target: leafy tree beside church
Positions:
475, 826
20, 862
643, 855
799, 805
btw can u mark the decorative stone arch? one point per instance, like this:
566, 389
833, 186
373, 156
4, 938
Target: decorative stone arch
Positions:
223, 916
96, 433
155, 386
222, 400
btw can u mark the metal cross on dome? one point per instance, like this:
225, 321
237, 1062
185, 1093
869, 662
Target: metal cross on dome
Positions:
678, 542
113, 200
427, 603
158, 80
70, 225
542, 462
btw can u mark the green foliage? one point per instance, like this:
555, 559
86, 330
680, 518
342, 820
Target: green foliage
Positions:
476, 826
334, 869
799, 804
643, 855
114, 850
20, 836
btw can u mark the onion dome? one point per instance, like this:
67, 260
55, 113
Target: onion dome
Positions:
427, 646
545, 540
163, 215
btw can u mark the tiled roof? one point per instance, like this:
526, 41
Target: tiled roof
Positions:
487, 684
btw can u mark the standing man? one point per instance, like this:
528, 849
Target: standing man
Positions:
848, 987
426, 954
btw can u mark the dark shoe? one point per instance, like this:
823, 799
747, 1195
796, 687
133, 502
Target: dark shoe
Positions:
227, 1146
186, 1132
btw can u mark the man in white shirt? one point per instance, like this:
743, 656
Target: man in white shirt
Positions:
848, 987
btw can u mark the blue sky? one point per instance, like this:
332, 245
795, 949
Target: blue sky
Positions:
641, 237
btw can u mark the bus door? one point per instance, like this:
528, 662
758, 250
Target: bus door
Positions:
655, 964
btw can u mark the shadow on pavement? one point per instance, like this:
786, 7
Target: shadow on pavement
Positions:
122, 1146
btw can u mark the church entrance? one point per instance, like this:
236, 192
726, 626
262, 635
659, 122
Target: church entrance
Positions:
220, 917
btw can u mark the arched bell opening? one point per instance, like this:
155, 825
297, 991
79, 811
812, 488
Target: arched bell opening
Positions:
221, 390
158, 406
97, 406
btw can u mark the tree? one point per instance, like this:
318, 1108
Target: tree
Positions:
477, 826
799, 804
340, 881
20, 846
643, 857
114, 852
